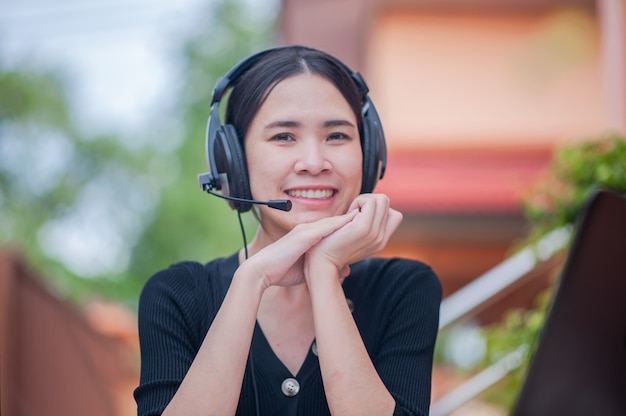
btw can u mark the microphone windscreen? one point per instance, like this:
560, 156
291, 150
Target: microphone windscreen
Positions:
281, 204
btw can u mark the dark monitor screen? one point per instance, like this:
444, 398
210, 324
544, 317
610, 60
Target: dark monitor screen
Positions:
579, 365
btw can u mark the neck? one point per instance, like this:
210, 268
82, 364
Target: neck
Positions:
261, 239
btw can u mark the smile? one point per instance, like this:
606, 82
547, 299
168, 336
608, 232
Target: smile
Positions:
311, 193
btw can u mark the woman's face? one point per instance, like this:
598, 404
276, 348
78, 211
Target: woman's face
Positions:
303, 145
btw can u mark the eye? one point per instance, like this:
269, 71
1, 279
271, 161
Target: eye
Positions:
282, 137
338, 136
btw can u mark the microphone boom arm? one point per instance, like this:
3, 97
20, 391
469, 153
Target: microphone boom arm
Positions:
206, 185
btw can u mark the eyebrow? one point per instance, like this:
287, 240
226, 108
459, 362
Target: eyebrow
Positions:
280, 123
338, 123
326, 124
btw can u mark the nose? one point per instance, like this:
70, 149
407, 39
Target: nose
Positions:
312, 158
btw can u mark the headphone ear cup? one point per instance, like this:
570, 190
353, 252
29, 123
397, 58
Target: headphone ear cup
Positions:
235, 167
369, 145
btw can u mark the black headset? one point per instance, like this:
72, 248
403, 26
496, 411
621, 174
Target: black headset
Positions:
228, 170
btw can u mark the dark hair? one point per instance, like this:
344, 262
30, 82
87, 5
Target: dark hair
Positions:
251, 89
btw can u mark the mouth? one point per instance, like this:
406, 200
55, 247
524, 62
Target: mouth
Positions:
311, 193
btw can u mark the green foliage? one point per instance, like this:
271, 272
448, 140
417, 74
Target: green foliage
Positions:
45, 165
33, 96
518, 327
56, 180
575, 173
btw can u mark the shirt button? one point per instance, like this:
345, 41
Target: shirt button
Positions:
290, 387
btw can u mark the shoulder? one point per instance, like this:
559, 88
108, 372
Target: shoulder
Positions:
183, 281
399, 273
394, 283
184, 298
397, 265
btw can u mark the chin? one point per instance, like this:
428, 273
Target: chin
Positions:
307, 217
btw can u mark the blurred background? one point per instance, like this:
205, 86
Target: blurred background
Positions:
500, 118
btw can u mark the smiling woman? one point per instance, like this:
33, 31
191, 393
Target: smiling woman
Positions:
303, 321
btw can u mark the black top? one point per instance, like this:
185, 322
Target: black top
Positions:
395, 307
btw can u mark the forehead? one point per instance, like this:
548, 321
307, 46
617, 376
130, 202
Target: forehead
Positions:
306, 93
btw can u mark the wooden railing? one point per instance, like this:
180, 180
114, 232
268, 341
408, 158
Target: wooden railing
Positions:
481, 293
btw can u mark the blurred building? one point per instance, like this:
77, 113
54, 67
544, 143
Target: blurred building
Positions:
474, 95
56, 360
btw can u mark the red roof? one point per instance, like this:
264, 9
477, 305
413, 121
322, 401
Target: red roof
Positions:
468, 181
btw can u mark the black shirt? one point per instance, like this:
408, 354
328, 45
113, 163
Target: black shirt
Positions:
395, 306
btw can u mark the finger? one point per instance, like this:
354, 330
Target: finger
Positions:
309, 234
373, 213
393, 221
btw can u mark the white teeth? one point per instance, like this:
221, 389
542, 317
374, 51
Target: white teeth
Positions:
311, 193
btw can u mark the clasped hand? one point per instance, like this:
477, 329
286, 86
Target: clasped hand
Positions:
364, 235
340, 241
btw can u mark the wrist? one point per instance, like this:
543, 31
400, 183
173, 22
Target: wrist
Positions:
253, 282
318, 271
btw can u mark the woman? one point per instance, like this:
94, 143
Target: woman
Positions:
303, 320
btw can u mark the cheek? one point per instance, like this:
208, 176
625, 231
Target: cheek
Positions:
356, 164
265, 163
263, 171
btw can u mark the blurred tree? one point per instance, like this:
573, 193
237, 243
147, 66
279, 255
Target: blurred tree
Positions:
98, 216
46, 166
189, 224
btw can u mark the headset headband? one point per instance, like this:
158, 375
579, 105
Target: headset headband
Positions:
225, 82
